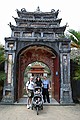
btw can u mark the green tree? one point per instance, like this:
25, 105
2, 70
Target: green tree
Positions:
2, 59
77, 71
2, 75
2, 56
75, 42
75, 38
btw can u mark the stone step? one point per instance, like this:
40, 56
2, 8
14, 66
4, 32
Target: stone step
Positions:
23, 101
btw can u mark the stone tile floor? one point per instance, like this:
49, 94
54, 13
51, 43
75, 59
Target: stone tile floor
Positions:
20, 112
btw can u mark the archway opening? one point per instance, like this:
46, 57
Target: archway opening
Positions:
37, 69
41, 54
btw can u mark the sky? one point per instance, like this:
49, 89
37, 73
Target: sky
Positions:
69, 12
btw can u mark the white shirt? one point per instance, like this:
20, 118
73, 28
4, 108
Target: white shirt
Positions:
30, 85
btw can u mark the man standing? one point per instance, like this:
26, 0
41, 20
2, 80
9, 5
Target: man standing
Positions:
29, 90
46, 88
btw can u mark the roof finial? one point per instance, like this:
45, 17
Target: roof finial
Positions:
23, 10
67, 25
53, 10
38, 9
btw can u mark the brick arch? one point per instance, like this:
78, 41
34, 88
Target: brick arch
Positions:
42, 54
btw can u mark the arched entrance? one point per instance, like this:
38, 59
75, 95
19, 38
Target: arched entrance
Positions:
42, 54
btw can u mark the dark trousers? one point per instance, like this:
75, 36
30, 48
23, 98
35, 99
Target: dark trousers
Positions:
46, 95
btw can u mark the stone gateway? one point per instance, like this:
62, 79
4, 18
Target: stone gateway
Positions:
37, 36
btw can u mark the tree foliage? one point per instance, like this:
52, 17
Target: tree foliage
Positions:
75, 38
75, 42
2, 56
77, 71
2, 59
2, 76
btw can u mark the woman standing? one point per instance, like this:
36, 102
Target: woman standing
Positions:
38, 82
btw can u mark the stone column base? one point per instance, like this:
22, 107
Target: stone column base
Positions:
8, 94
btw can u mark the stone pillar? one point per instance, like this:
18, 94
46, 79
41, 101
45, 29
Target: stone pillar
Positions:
9, 71
65, 85
8, 91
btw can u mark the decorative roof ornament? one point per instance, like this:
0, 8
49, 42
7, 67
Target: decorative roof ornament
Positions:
38, 9
53, 11
23, 10
10, 24
67, 25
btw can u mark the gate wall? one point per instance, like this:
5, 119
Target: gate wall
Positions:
37, 36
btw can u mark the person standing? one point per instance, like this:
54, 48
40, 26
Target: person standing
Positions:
30, 91
46, 88
38, 82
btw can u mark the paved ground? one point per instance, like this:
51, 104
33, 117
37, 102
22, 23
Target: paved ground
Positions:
20, 112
